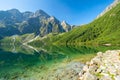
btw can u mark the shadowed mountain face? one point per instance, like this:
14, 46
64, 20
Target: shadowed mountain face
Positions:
14, 22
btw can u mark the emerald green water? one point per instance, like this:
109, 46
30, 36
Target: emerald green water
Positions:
26, 63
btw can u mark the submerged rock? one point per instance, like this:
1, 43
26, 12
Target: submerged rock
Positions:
105, 66
68, 72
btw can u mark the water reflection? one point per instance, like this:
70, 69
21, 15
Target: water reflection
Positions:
24, 61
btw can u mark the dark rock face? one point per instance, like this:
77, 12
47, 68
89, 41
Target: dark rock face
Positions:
14, 22
41, 14
27, 15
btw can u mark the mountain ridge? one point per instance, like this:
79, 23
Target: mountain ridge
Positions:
14, 22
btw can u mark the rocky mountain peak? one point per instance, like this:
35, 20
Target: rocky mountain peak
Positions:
28, 14
109, 7
14, 11
39, 23
12, 16
64, 23
66, 26
41, 13
52, 18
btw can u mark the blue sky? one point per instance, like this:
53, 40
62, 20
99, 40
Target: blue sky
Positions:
75, 12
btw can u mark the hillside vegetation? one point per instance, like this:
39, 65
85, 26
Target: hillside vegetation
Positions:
104, 30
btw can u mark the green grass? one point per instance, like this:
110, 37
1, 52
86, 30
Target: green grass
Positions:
46, 40
103, 30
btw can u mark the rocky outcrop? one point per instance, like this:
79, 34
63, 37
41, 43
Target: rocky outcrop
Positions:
105, 66
66, 26
109, 7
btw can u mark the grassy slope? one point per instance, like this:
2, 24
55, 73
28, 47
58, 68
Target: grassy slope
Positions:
46, 40
105, 29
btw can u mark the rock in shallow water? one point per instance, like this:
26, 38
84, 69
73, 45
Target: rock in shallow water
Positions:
68, 72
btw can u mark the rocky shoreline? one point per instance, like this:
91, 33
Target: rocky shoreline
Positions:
105, 66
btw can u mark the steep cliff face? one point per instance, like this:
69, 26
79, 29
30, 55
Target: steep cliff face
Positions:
51, 24
14, 22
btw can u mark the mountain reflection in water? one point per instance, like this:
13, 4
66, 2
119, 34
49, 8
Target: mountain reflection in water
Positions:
25, 61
